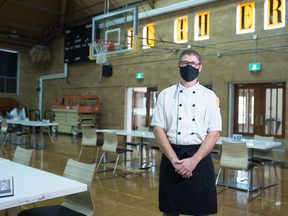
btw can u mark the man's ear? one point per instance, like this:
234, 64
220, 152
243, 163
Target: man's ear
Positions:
200, 68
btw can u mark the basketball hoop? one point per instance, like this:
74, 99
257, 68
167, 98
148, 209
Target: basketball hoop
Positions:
101, 48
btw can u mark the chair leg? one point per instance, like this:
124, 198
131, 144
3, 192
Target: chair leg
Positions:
219, 172
102, 156
276, 175
5, 139
137, 149
3, 149
80, 153
116, 164
97, 153
217, 179
4, 143
263, 175
254, 195
249, 183
51, 138
150, 152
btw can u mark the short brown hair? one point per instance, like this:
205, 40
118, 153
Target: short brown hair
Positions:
190, 52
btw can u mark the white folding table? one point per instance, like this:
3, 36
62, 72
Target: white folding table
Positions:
41, 124
32, 185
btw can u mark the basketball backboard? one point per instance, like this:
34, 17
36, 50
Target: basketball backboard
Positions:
119, 27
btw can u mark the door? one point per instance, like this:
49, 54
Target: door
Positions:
143, 105
151, 97
259, 109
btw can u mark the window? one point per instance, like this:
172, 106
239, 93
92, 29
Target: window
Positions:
181, 30
130, 38
148, 36
245, 20
8, 71
274, 14
202, 26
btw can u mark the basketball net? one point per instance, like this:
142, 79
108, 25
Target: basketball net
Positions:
101, 48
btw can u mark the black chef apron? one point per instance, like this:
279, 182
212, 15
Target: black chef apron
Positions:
190, 196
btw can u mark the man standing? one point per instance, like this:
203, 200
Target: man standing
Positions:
187, 123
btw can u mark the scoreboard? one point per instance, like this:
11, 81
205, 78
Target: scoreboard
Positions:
77, 41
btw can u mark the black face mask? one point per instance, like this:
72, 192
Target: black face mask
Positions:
189, 73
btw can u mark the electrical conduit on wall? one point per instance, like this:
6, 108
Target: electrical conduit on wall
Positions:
173, 8
50, 77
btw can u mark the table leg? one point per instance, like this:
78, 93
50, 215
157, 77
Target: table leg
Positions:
141, 164
33, 138
141, 153
125, 146
37, 141
41, 138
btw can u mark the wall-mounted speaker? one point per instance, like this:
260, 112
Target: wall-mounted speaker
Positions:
107, 70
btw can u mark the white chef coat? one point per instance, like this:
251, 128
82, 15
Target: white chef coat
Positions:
187, 114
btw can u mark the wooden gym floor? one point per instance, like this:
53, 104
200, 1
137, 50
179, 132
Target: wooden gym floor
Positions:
135, 192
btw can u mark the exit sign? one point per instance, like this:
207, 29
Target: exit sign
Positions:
139, 76
255, 67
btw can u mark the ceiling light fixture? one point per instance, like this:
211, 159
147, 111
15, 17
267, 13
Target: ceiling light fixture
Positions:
13, 34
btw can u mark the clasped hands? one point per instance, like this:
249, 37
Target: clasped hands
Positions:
185, 166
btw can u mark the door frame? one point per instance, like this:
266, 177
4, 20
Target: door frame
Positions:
231, 103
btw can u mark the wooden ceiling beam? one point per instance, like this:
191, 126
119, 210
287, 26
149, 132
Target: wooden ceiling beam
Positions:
63, 12
151, 3
19, 25
114, 3
21, 40
86, 9
55, 28
2, 2
31, 4
117, 4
